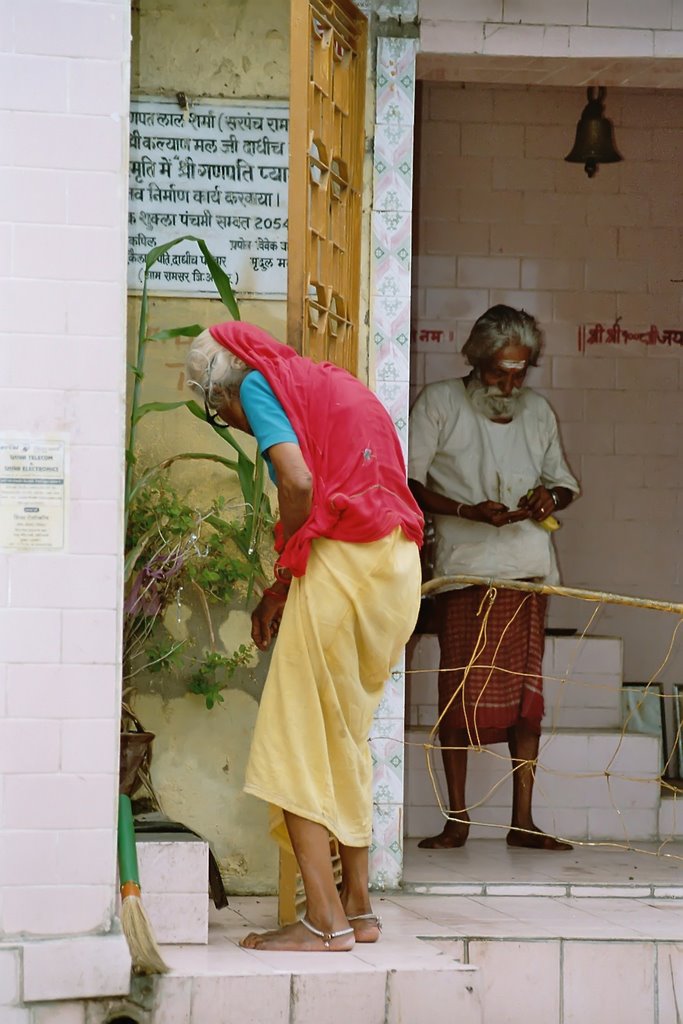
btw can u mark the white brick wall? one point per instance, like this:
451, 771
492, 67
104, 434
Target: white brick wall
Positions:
583, 28
63, 121
572, 251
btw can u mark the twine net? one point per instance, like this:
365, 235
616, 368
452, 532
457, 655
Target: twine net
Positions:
616, 779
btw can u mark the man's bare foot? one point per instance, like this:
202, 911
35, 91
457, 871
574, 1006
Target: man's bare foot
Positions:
532, 839
366, 927
298, 938
454, 835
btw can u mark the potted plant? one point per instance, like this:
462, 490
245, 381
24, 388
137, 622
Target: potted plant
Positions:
173, 547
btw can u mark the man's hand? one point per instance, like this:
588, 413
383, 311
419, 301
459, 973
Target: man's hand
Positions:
265, 618
493, 513
539, 503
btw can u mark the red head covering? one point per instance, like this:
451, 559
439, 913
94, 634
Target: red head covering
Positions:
347, 439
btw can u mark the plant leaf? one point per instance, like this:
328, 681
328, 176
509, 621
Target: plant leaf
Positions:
208, 456
142, 410
220, 278
223, 433
177, 332
133, 555
245, 471
151, 473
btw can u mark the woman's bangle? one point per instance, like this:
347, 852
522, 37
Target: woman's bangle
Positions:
277, 594
458, 506
282, 575
555, 496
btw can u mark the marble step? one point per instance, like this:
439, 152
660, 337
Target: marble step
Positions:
590, 784
174, 883
399, 980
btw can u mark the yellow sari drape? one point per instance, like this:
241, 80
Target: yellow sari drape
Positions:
343, 628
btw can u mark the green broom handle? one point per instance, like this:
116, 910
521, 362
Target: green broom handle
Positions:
128, 859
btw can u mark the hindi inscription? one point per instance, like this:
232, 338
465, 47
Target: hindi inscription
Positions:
218, 171
615, 334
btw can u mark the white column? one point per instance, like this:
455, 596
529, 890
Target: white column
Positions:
63, 188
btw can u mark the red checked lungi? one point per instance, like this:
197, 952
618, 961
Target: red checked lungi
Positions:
491, 700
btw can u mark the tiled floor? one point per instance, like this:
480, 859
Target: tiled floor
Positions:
552, 919
588, 892
399, 980
488, 866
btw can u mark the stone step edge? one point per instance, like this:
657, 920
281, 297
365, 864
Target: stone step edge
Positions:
549, 890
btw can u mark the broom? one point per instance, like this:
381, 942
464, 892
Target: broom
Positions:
143, 947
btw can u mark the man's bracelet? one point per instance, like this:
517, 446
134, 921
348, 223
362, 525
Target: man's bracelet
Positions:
555, 496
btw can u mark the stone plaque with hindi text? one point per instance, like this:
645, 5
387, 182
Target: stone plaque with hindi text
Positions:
217, 170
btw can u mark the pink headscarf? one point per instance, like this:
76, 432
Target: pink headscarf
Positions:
347, 439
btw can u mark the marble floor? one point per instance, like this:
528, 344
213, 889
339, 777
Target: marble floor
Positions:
488, 866
483, 889
596, 932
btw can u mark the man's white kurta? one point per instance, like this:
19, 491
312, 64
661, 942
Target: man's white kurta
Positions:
458, 452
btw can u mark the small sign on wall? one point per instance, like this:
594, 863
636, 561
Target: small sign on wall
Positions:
33, 472
615, 334
433, 337
217, 170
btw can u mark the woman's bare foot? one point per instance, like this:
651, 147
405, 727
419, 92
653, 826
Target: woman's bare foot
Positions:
358, 909
454, 835
532, 839
366, 927
298, 938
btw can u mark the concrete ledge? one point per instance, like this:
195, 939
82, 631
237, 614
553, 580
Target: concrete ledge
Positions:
441, 996
174, 879
88, 967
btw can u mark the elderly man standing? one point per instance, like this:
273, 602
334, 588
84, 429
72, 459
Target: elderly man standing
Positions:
486, 464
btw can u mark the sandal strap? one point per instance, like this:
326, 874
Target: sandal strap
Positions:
367, 917
325, 936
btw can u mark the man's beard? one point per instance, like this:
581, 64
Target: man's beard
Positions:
490, 402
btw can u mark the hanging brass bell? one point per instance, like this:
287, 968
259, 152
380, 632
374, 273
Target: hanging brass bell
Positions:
594, 143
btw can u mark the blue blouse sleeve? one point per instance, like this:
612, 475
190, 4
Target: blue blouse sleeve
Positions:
265, 414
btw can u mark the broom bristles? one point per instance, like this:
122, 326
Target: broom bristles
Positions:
143, 947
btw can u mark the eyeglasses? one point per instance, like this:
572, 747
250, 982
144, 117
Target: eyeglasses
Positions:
212, 418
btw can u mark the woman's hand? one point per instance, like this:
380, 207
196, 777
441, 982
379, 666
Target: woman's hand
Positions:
265, 618
493, 513
539, 503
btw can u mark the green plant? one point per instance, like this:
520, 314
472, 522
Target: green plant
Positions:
250, 473
171, 545
214, 670
176, 549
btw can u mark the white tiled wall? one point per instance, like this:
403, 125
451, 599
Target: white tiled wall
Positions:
577, 982
573, 795
63, 122
582, 682
602, 28
501, 217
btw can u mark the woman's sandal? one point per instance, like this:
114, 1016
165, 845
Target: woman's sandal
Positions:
374, 920
326, 936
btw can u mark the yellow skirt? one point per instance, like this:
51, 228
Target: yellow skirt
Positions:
343, 628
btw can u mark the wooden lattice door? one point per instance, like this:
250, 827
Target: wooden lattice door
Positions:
327, 138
